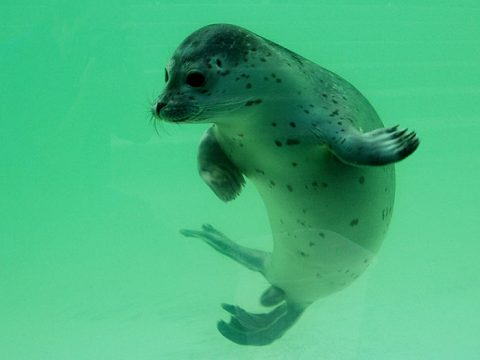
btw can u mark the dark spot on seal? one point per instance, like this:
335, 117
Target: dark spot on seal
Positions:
354, 222
279, 80
253, 102
386, 212
278, 143
302, 253
260, 171
263, 59
294, 164
311, 243
306, 111
361, 179
324, 184
292, 124
218, 43
289, 187
274, 124
293, 142
273, 75
272, 182
248, 86
334, 113
322, 235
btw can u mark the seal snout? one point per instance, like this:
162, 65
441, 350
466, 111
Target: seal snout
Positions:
158, 107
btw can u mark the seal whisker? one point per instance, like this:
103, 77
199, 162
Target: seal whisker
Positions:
154, 122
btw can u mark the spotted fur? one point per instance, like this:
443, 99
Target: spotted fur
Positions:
314, 148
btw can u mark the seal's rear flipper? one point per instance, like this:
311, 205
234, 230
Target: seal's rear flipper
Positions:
253, 259
246, 328
378, 147
272, 296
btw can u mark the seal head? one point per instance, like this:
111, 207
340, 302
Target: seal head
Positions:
202, 77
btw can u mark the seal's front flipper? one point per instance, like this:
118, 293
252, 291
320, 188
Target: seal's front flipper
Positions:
246, 328
378, 147
217, 170
253, 259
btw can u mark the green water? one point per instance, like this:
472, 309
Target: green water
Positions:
91, 262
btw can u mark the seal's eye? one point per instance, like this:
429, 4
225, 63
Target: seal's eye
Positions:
166, 75
195, 79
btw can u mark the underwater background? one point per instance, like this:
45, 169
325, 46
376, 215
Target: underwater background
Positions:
92, 264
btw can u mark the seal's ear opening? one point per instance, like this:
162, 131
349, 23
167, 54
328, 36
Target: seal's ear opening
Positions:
195, 79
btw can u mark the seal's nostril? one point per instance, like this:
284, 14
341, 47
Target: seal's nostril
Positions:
160, 105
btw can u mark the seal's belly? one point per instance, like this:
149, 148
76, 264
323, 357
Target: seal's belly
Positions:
323, 262
328, 220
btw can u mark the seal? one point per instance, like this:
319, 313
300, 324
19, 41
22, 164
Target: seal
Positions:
311, 144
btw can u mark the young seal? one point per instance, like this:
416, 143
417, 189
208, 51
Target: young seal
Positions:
314, 148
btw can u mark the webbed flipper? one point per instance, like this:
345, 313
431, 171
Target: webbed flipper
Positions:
374, 148
246, 328
252, 259
272, 296
216, 169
